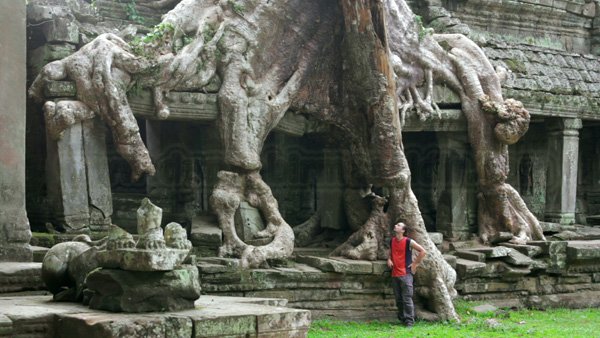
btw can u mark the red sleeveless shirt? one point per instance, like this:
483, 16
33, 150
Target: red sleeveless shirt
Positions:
401, 255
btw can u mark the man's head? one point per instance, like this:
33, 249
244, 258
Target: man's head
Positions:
400, 228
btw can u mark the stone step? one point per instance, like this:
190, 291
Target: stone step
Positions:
337, 264
466, 268
213, 316
471, 255
206, 232
38, 253
529, 250
583, 250
20, 276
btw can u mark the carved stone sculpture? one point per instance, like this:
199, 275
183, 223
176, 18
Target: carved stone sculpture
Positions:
133, 277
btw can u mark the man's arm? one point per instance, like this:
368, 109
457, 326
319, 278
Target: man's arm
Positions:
421, 255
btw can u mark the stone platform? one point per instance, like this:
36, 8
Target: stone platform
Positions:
214, 316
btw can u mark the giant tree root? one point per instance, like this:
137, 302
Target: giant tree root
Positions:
229, 192
372, 239
101, 70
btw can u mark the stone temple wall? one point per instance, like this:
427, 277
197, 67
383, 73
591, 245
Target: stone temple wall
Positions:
539, 275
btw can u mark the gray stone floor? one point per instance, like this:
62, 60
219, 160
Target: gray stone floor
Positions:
214, 316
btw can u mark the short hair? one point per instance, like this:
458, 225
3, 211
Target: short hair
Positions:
404, 226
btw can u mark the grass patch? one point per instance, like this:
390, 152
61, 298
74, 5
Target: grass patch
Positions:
502, 323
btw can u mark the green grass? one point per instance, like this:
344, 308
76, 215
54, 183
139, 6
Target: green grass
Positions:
523, 323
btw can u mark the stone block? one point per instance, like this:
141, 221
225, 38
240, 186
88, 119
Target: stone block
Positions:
16, 277
516, 258
558, 256
436, 237
234, 326
493, 252
575, 300
133, 291
288, 320
356, 266
575, 279
103, 325
380, 267
206, 232
6, 326
529, 250
538, 264
205, 268
232, 263
41, 56
98, 180
501, 237
549, 227
471, 255
466, 268
336, 264
142, 260
544, 245
38, 253
61, 29
583, 250
596, 277
248, 222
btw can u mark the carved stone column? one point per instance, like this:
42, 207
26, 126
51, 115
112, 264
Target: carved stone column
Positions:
453, 188
14, 225
563, 158
77, 176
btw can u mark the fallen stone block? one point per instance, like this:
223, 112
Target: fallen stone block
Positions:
336, 264
471, 255
466, 268
516, 258
529, 250
493, 252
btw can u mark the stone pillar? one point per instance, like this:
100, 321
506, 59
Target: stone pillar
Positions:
14, 225
77, 176
98, 178
66, 179
563, 158
452, 186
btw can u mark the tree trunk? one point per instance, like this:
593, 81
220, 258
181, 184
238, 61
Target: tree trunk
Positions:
370, 91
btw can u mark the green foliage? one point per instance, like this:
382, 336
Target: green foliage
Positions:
522, 323
133, 14
148, 45
237, 7
423, 31
208, 32
516, 66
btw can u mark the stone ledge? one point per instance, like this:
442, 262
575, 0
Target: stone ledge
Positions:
17, 276
213, 316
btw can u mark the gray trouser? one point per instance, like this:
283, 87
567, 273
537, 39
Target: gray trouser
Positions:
403, 289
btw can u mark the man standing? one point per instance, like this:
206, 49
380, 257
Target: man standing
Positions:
403, 268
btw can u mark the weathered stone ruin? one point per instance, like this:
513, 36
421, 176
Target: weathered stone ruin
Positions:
287, 137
